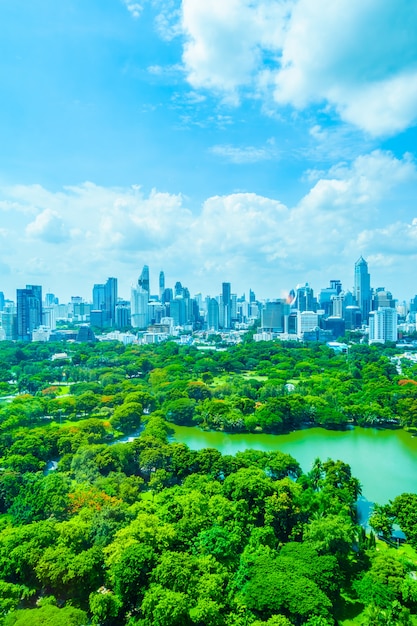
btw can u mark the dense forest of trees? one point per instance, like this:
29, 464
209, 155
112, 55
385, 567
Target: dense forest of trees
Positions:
151, 533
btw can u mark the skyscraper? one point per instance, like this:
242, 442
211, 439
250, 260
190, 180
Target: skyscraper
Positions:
362, 288
273, 315
99, 297
143, 280
383, 325
161, 284
226, 302
104, 300
213, 314
305, 300
110, 300
29, 311
139, 307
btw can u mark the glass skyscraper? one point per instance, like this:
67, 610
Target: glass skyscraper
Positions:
363, 288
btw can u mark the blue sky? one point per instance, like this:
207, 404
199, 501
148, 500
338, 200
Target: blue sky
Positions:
262, 142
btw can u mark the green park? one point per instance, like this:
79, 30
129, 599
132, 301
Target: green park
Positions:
157, 486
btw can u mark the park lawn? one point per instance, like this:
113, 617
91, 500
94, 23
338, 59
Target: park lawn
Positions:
251, 375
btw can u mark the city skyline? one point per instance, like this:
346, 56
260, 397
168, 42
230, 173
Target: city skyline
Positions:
199, 138
149, 282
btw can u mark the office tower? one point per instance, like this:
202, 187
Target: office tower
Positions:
167, 296
50, 299
9, 321
305, 300
383, 325
233, 308
252, 297
29, 311
292, 323
178, 289
110, 300
382, 298
362, 288
161, 284
99, 297
307, 321
122, 314
49, 317
143, 280
336, 325
338, 305
178, 311
327, 295
139, 307
212, 314
226, 303
1, 301
337, 285
104, 300
273, 315
353, 317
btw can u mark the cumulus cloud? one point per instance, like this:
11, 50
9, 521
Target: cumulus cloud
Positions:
242, 237
399, 238
358, 58
48, 226
360, 185
226, 41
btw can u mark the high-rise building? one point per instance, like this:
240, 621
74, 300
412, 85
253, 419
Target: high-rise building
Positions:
51, 299
143, 280
122, 314
139, 307
337, 285
383, 325
353, 317
337, 305
110, 301
178, 289
161, 284
307, 321
9, 321
178, 311
168, 295
382, 298
29, 311
212, 314
99, 297
1, 301
273, 316
226, 303
104, 300
305, 300
362, 287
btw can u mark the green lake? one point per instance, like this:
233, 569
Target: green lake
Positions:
385, 461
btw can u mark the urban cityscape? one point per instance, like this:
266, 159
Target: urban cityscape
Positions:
151, 316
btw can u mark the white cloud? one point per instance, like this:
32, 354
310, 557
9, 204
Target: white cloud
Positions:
48, 226
134, 8
226, 41
398, 238
358, 58
168, 18
242, 237
245, 154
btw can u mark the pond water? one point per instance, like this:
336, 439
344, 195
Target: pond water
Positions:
385, 461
